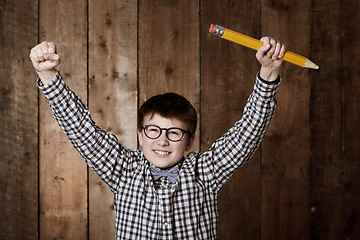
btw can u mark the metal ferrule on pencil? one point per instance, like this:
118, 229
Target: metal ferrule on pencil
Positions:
219, 31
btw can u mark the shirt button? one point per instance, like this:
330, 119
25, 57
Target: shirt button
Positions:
165, 223
163, 196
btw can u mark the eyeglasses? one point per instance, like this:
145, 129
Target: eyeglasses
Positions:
174, 134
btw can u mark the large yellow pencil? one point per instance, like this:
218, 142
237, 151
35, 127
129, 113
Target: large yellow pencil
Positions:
256, 44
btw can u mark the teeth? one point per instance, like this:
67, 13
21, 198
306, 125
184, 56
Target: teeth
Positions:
161, 152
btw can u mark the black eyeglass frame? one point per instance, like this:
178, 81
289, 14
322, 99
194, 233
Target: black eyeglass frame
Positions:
166, 132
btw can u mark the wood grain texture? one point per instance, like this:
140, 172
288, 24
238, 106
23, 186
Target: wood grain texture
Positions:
112, 94
63, 173
349, 172
327, 123
228, 74
335, 117
285, 177
169, 50
19, 121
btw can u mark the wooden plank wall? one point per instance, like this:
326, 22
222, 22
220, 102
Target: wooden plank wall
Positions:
63, 174
285, 177
227, 79
169, 49
303, 183
112, 93
18, 121
334, 109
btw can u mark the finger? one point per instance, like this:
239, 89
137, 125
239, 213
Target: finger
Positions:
53, 57
266, 45
34, 58
39, 54
52, 47
33, 55
45, 50
282, 51
275, 56
39, 51
272, 49
49, 50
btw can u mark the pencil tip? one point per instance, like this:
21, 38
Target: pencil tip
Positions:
310, 64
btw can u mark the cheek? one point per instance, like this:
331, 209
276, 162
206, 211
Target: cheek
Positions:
182, 147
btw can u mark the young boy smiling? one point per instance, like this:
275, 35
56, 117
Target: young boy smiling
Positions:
178, 119
158, 192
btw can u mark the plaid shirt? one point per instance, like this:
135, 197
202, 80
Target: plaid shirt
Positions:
146, 209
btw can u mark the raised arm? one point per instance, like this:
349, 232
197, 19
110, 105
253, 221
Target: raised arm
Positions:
99, 148
237, 145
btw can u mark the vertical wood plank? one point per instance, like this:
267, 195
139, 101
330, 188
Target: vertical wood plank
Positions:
335, 120
286, 149
350, 169
19, 121
63, 173
169, 49
326, 122
112, 94
228, 74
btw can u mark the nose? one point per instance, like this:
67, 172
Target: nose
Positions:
163, 140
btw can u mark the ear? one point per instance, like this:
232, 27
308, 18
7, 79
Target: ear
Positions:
190, 143
140, 138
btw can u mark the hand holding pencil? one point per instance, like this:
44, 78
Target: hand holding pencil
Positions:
269, 56
271, 52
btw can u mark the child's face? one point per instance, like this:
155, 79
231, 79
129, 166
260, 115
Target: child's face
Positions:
162, 152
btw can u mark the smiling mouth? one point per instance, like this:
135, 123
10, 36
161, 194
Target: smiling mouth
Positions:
161, 153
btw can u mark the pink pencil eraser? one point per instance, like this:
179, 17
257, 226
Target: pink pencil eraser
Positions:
212, 28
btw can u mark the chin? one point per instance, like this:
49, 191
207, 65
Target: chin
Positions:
163, 164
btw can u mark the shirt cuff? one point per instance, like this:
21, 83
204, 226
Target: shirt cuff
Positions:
266, 90
277, 81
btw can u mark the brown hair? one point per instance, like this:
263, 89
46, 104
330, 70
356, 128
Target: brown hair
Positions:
169, 105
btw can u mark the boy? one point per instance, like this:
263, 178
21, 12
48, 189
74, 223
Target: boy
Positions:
159, 193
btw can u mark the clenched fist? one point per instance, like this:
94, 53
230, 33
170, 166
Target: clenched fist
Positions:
269, 56
44, 59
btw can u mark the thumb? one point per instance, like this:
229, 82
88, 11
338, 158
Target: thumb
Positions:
53, 60
54, 57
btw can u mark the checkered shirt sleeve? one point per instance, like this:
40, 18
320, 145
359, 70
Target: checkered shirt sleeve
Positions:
236, 146
101, 150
